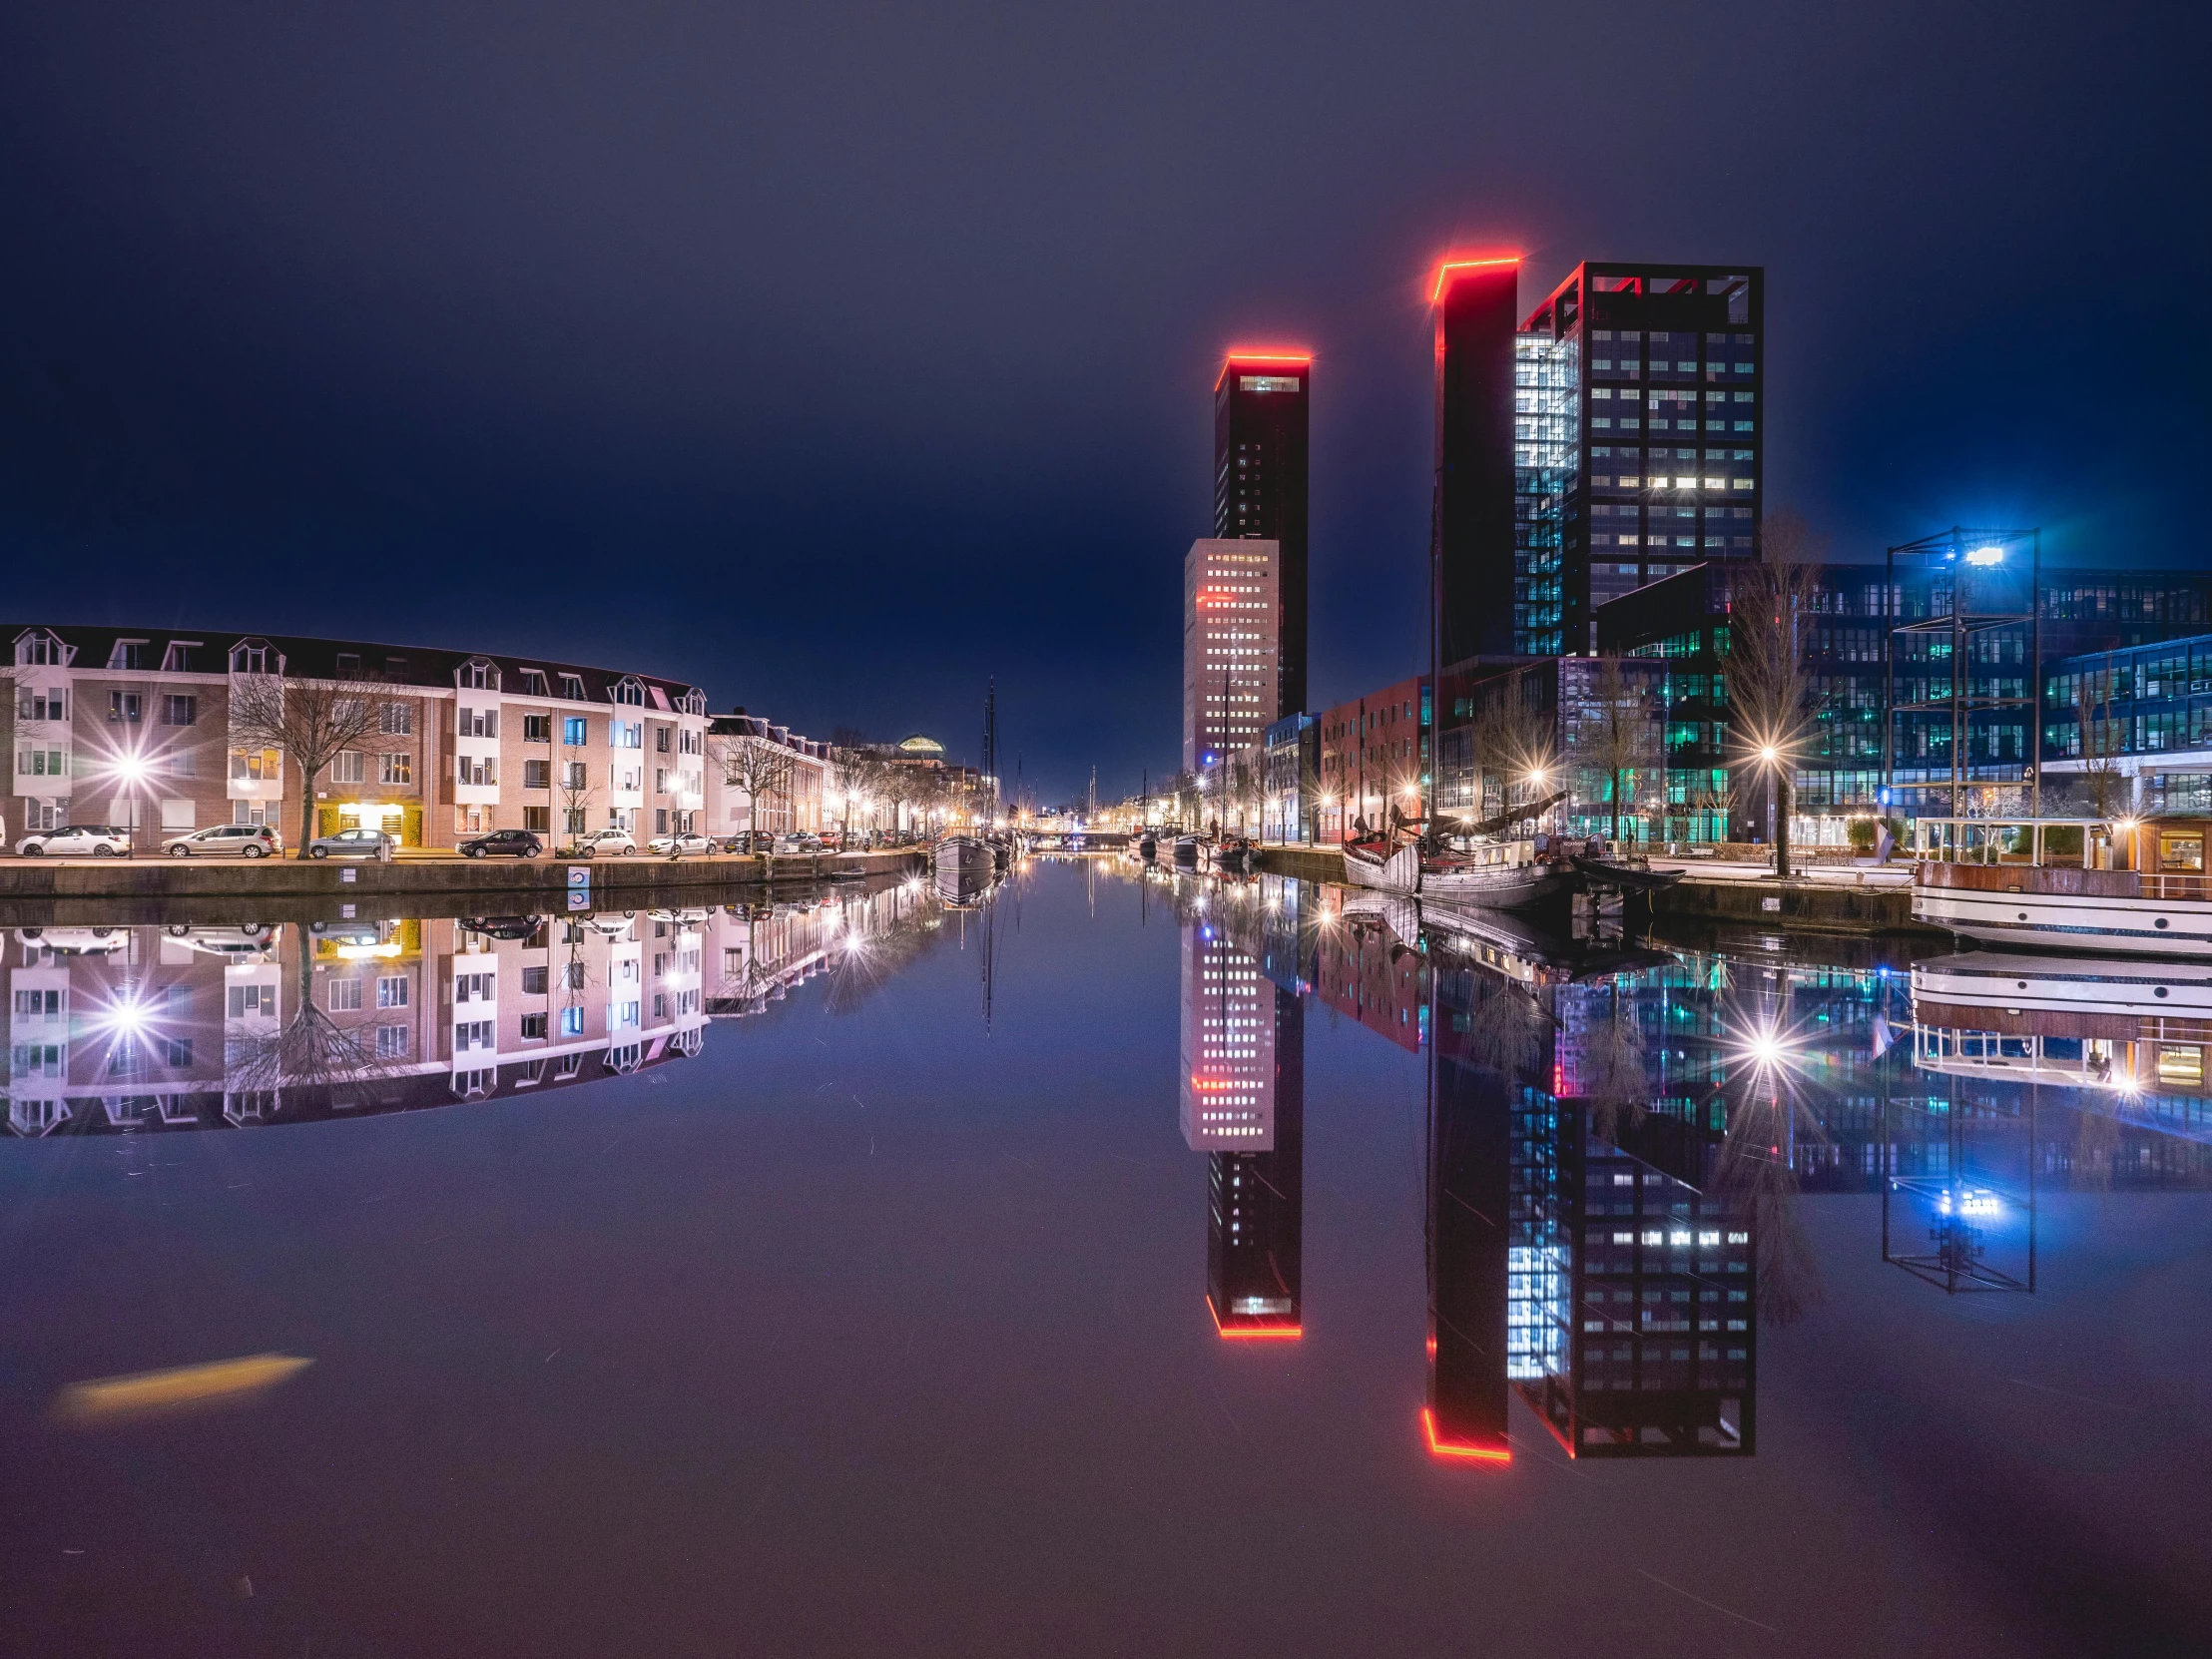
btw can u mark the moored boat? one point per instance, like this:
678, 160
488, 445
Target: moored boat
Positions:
1391, 866
964, 855
2130, 887
1187, 850
1501, 876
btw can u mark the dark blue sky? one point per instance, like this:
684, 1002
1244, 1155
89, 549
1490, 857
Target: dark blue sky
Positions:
840, 357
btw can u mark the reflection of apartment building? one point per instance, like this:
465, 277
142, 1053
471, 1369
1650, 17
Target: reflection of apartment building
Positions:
203, 1026
1243, 1105
757, 954
132, 728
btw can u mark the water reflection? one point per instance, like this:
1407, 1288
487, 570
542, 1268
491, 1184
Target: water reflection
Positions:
189, 1025
1619, 1136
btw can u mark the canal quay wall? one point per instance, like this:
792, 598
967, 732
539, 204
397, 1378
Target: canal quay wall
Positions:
129, 878
1827, 906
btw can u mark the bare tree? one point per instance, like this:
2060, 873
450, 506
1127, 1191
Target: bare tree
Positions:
1515, 741
577, 794
310, 720
1771, 698
758, 767
1616, 734
2102, 745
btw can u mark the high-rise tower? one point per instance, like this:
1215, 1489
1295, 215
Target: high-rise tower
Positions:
1260, 413
1485, 602
1231, 610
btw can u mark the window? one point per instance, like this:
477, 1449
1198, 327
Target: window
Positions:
392, 991
474, 987
660, 779
348, 766
534, 1028
40, 650
572, 975
345, 996
472, 1034
479, 723
537, 775
480, 675
50, 703
176, 1052
397, 768
396, 720
629, 691
250, 658
575, 775
244, 1001
179, 657
533, 683
122, 707
473, 771
391, 1042
539, 819
660, 739
179, 710
537, 728
42, 762
256, 766
625, 734
572, 1024
534, 981
572, 688
573, 731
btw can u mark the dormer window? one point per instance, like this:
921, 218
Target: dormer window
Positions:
40, 647
178, 658
480, 675
572, 686
128, 654
252, 657
628, 690
350, 665
534, 684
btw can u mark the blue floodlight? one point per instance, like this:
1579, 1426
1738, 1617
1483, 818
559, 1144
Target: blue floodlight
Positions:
1985, 556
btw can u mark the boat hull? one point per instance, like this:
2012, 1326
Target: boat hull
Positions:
2128, 926
1400, 871
1519, 888
964, 855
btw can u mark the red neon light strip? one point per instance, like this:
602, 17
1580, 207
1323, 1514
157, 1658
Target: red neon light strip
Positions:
1445, 1448
1444, 270
1252, 1333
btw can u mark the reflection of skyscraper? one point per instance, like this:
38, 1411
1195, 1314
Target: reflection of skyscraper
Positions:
1468, 1164
1243, 1100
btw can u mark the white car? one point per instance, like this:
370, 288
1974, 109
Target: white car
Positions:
603, 843
677, 846
77, 841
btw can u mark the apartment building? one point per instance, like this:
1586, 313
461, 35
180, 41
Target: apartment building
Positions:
1373, 758
132, 728
792, 784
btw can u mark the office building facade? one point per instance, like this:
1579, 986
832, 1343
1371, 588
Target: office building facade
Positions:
1261, 403
1231, 609
1639, 438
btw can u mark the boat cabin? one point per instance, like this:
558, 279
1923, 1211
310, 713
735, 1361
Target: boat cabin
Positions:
2172, 846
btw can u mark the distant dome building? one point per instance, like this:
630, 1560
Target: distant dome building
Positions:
919, 748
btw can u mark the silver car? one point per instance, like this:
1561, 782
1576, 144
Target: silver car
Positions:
353, 844
227, 841
603, 843
681, 844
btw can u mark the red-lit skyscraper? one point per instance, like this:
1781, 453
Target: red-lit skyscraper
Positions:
1485, 605
1260, 410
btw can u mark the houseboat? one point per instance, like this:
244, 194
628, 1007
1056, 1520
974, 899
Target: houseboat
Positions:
2135, 886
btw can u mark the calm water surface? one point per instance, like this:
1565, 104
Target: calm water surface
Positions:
1125, 1266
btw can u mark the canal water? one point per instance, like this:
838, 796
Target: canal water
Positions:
1112, 1263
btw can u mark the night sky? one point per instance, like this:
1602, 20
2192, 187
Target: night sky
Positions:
839, 358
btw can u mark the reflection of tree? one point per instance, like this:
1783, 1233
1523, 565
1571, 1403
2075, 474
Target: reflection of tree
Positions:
1507, 1028
867, 956
1756, 1173
309, 1050
1611, 1069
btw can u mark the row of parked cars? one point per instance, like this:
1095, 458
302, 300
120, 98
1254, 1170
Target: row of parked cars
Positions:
260, 840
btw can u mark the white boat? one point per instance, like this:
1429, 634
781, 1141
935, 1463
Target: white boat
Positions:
1500, 875
1374, 865
2132, 886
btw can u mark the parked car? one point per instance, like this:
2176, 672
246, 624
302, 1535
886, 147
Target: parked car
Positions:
799, 842
504, 844
677, 846
77, 841
227, 841
601, 843
748, 840
353, 844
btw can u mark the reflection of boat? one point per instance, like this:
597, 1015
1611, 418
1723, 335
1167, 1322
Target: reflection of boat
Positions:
1521, 950
2125, 885
1239, 854
962, 854
1186, 850
1148, 845
2092, 1022
963, 889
